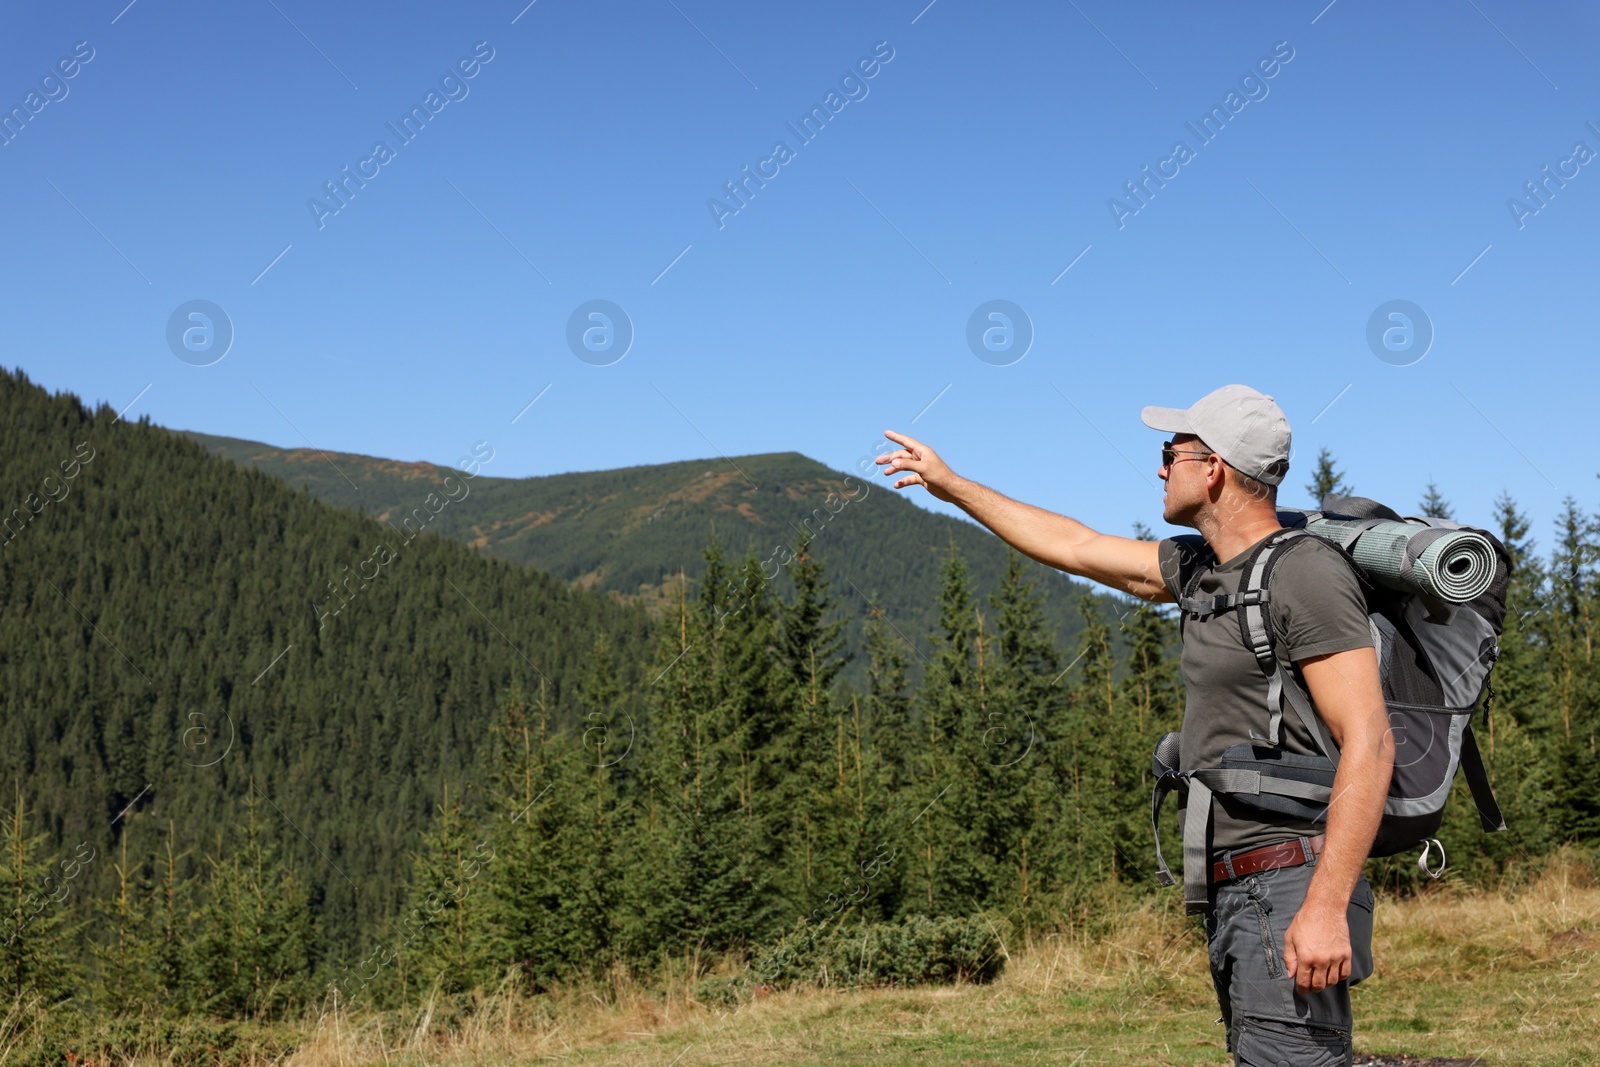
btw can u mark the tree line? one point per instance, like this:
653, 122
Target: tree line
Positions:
752, 794
408, 803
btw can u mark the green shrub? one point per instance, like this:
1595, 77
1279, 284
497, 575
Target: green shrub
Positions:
914, 951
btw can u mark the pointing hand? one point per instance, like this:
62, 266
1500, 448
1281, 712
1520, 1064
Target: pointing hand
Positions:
922, 466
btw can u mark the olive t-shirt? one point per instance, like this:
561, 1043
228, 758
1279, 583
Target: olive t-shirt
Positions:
1317, 607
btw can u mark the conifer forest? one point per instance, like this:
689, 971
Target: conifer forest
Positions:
223, 799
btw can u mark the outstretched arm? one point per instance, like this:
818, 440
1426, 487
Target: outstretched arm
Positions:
1123, 563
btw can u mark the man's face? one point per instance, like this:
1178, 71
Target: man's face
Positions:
1186, 480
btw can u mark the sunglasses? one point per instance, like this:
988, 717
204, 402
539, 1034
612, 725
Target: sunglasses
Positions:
1168, 452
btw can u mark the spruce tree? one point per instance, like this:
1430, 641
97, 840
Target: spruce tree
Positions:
1566, 627
888, 701
126, 956
755, 753
875, 825
36, 956
1095, 765
1326, 479
257, 942
142, 951
1152, 698
608, 766
1433, 504
878, 735
566, 898
1521, 672
697, 843
445, 929
949, 866
1025, 714
1153, 685
536, 820
1575, 589
808, 764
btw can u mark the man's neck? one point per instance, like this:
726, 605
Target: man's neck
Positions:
1229, 539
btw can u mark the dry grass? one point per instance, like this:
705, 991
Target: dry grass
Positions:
1508, 978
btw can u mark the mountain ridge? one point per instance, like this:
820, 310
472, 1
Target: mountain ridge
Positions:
631, 531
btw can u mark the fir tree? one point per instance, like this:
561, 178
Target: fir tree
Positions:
523, 819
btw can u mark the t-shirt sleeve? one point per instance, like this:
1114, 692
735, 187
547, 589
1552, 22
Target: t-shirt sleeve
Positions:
1178, 557
1317, 604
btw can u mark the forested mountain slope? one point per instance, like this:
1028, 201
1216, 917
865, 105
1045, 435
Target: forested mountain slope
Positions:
179, 631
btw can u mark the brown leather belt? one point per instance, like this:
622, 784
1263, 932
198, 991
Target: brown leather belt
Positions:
1268, 857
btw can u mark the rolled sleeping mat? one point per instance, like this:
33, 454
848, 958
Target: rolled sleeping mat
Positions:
1453, 566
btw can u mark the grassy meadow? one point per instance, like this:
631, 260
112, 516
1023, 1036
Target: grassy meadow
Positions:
1511, 977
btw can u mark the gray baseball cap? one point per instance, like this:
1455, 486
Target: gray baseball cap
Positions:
1245, 427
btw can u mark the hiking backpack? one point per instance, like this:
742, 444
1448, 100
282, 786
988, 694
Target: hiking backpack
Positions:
1434, 658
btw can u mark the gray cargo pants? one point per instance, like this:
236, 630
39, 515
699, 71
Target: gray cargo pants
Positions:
1269, 1023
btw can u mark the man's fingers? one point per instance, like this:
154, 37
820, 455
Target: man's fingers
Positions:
902, 440
1315, 976
902, 456
896, 465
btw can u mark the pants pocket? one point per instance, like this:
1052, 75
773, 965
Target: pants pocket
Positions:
1261, 908
1267, 1043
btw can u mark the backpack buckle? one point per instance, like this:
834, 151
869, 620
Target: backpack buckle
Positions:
1197, 608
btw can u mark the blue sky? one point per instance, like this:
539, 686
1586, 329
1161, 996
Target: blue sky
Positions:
1375, 164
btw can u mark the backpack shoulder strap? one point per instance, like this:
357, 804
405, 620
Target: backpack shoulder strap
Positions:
1255, 627
1255, 619
1253, 602
1202, 560
1478, 781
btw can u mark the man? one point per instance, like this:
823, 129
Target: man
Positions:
1286, 939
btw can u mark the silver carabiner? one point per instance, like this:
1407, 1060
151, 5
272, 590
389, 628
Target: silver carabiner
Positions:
1428, 844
